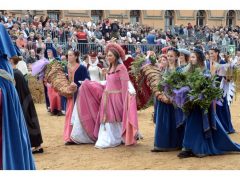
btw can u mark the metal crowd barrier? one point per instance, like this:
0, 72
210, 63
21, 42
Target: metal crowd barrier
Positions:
86, 48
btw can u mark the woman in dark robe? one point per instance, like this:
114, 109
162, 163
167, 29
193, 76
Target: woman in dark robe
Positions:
28, 108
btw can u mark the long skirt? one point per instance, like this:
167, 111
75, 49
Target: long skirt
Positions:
224, 115
196, 141
167, 136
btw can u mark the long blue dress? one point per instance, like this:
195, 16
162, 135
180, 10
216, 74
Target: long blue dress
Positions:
223, 112
204, 135
16, 147
167, 136
168, 132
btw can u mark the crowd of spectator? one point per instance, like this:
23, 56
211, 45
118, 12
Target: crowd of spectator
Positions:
32, 34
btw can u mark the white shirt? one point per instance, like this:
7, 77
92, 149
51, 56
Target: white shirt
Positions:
22, 66
94, 71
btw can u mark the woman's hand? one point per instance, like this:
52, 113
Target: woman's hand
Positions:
73, 86
104, 71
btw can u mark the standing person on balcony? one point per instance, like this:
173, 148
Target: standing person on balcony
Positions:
115, 29
21, 42
82, 40
106, 27
39, 42
151, 37
98, 33
32, 58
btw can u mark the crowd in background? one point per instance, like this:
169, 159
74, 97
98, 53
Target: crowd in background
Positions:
32, 34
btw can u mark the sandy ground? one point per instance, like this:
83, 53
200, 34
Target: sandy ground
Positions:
57, 156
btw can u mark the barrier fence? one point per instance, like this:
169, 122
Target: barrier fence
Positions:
85, 48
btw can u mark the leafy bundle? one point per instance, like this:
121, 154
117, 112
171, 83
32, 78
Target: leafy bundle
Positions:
190, 89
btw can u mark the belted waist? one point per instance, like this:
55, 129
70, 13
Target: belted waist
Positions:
112, 91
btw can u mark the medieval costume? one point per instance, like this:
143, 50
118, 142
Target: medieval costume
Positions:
94, 68
204, 134
29, 110
76, 75
107, 112
15, 143
168, 130
223, 112
53, 96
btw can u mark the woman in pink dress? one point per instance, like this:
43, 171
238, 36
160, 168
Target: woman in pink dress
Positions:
108, 113
76, 73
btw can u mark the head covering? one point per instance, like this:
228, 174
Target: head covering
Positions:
184, 51
117, 48
53, 50
92, 54
165, 49
200, 53
7, 50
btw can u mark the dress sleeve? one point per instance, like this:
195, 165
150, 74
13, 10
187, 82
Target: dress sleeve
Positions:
124, 78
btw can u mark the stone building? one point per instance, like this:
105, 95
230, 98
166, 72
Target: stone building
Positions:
159, 19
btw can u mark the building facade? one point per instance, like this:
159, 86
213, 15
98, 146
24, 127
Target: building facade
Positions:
158, 19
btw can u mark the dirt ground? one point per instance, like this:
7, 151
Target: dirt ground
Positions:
57, 156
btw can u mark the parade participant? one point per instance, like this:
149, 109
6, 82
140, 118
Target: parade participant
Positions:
76, 73
51, 94
167, 136
14, 139
204, 136
28, 108
94, 67
108, 113
223, 112
162, 62
183, 59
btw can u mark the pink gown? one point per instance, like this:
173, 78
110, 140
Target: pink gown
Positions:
54, 99
69, 110
115, 120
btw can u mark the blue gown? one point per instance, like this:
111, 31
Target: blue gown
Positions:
167, 136
223, 112
206, 136
169, 128
16, 147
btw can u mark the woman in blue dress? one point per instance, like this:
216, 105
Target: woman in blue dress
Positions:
204, 134
167, 136
16, 153
223, 112
183, 59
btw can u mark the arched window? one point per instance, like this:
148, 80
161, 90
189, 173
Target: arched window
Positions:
135, 16
231, 16
201, 18
97, 15
54, 14
169, 19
